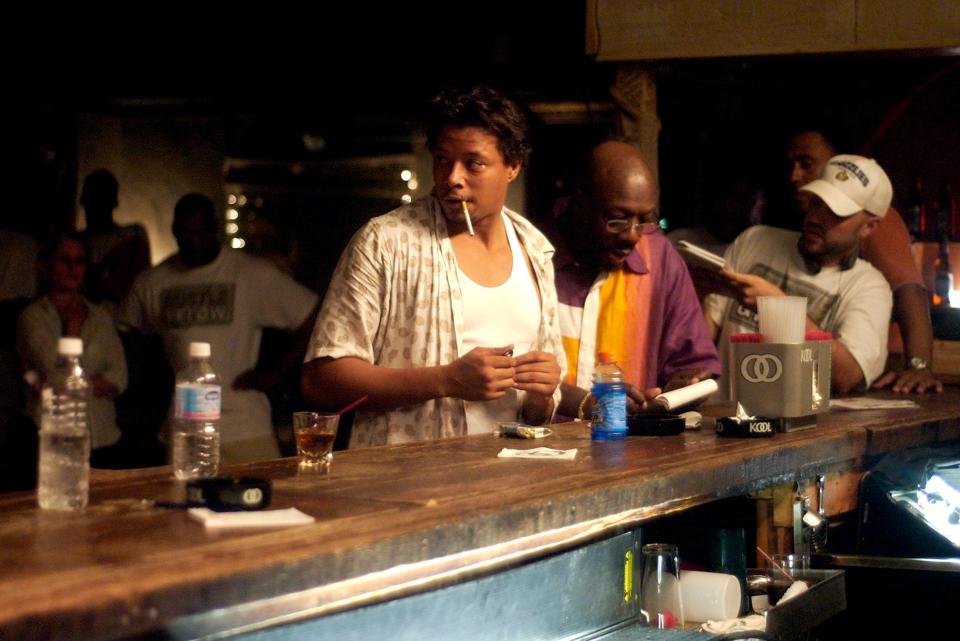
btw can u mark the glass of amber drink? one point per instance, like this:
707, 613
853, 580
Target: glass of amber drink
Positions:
315, 433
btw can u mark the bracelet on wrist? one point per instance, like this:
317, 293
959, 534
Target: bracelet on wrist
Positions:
582, 407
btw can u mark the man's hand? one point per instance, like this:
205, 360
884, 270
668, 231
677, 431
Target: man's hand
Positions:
687, 377
482, 374
910, 380
638, 400
537, 372
747, 287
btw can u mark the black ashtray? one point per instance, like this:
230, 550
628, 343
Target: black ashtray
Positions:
655, 425
759, 427
225, 494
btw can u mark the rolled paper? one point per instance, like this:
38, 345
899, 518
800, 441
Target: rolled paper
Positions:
686, 395
466, 216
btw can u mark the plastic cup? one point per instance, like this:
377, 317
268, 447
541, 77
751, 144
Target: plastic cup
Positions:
709, 596
783, 319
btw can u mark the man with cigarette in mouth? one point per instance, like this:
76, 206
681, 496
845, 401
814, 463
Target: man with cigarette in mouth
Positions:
622, 287
845, 294
443, 312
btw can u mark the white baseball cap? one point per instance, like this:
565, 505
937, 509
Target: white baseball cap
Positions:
849, 184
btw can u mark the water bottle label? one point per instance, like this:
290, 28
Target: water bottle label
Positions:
609, 409
196, 401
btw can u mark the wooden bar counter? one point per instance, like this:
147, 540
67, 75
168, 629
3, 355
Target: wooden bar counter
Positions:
391, 520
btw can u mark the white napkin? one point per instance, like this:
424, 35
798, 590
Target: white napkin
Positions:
252, 519
541, 453
796, 588
742, 414
740, 624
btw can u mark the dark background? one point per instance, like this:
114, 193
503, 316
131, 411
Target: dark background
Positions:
361, 78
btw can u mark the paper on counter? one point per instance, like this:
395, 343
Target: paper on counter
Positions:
257, 518
866, 403
686, 395
541, 453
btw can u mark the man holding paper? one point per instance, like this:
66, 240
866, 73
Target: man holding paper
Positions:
622, 287
888, 249
845, 294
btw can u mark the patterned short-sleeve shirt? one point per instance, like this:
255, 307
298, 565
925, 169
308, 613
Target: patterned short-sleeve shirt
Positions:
394, 300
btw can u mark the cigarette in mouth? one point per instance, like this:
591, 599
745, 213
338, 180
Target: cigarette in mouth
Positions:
466, 215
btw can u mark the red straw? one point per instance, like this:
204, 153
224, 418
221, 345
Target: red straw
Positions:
352, 405
776, 565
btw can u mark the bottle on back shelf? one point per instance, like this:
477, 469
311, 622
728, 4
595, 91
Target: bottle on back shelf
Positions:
948, 211
63, 479
196, 437
943, 274
609, 391
915, 214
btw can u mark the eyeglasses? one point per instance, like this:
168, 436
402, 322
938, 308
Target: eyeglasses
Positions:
620, 225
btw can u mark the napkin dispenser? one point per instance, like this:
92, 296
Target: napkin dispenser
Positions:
789, 382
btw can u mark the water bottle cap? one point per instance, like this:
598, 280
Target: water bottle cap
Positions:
70, 346
605, 358
199, 350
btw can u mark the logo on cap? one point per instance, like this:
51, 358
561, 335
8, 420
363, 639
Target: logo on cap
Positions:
841, 176
853, 168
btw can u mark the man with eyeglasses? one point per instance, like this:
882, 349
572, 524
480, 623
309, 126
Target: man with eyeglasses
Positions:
621, 286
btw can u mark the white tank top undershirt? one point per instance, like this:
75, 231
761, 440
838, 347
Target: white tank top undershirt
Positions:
508, 314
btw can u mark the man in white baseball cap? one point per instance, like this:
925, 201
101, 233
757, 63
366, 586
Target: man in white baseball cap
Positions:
845, 294
887, 249
849, 184
842, 207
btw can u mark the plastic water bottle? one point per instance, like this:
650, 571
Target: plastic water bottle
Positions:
196, 439
63, 478
609, 421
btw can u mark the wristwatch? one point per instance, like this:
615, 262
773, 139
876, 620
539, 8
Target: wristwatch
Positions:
915, 362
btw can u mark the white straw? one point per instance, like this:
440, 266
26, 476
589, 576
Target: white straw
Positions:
466, 215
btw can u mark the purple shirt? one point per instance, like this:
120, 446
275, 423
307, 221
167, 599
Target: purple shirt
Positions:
667, 321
